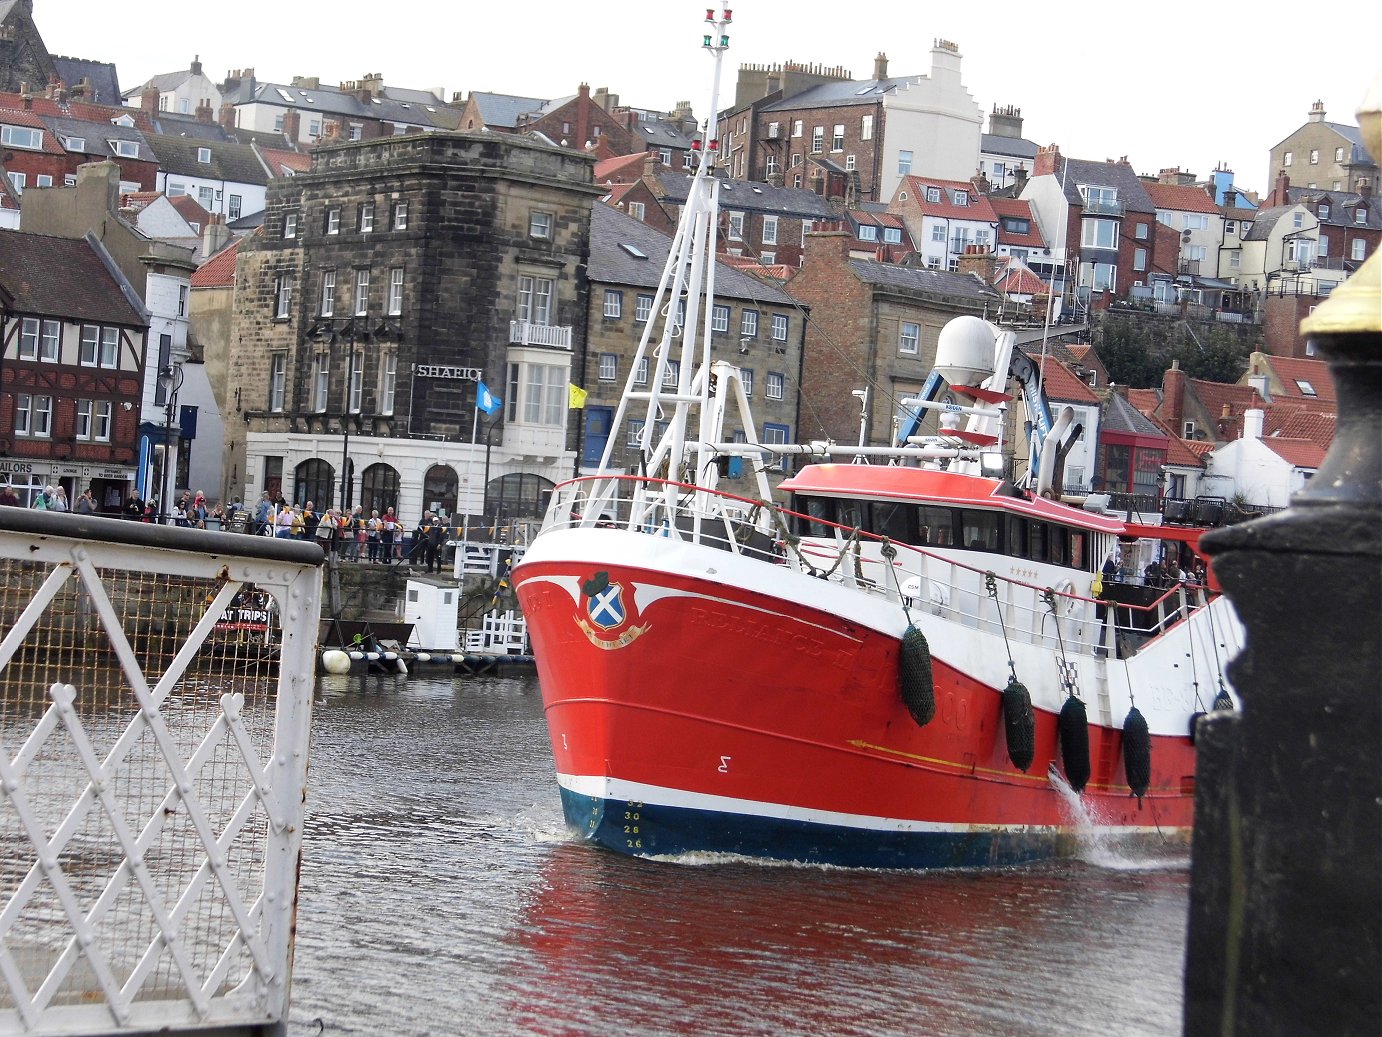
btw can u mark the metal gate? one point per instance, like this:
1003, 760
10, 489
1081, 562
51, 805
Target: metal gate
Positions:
155, 697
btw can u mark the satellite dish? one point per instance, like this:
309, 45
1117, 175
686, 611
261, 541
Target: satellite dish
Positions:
1185, 235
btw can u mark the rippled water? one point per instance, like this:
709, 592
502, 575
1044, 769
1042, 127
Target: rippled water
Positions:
441, 895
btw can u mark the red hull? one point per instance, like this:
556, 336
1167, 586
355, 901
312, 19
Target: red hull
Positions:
710, 691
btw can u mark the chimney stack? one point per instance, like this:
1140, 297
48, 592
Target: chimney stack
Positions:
1365, 188
292, 125
1252, 423
1317, 112
880, 66
1281, 190
1173, 397
148, 100
1047, 161
205, 113
227, 115
215, 236
196, 69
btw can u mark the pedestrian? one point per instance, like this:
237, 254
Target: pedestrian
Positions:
134, 506
199, 512
357, 533
86, 503
387, 534
374, 525
216, 518
8, 498
436, 538
263, 514
310, 519
180, 512
42, 501
418, 546
284, 518
325, 533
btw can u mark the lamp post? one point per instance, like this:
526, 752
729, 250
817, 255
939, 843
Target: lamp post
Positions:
170, 381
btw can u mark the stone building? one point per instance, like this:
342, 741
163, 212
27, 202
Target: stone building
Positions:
1323, 155
385, 285
758, 327
872, 324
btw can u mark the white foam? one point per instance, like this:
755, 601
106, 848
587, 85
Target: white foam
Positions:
1102, 845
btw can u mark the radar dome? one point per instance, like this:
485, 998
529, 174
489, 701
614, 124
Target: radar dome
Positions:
965, 350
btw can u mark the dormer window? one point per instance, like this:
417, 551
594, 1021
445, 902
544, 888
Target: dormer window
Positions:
124, 148
1360, 215
1324, 211
933, 194
203, 154
961, 198
21, 137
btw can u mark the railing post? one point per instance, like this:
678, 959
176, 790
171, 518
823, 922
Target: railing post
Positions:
1285, 913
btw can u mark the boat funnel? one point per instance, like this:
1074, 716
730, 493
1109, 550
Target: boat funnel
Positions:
965, 351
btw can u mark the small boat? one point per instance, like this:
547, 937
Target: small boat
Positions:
900, 659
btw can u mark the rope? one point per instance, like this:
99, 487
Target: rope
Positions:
1049, 597
1194, 670
889, 552
991, 585
1214, 640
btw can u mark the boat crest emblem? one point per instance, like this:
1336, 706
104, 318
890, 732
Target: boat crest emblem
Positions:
609, 610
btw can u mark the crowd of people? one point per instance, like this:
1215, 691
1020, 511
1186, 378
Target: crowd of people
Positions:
355, 537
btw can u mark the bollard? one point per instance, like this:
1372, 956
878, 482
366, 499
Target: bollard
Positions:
1286, 883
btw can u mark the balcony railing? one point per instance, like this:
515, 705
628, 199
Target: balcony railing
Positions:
526, 333
1189, 266
1097, 208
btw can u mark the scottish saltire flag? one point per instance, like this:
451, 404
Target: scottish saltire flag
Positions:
486, 400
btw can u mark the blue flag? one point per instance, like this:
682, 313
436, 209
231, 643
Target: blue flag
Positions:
486, 400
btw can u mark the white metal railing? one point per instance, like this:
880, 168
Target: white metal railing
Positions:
951, 583
155, 698
526, 333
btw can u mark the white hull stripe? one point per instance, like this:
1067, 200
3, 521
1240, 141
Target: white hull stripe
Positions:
603, 788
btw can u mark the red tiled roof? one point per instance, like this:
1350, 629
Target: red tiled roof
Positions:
1178, 451
1023, 210
1290, 371
219, 270
1062, 384
190, 210
62, 277
279, 159
83, 111
1301, 423
51, 144
1217, 395
1021, 281
1181, 198
1145, 400
979, 210
1299, 452
617, 192
1199, 447
620, 168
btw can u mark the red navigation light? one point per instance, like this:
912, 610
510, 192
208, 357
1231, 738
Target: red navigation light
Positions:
695, 145
729, 15
715, 144
710, 14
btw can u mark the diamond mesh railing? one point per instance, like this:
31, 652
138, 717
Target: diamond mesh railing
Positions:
155, 696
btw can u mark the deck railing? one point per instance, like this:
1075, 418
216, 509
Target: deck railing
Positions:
948, 582
155, 695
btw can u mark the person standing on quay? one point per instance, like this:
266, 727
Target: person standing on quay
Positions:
388, 533
86, 503
374, 526
134, 507
8, 498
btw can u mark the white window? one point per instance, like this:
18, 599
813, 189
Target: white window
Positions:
1314, 156
776, 387
33, 415
640, 375
773, 130
1099, 233
746, 376
719, 318
767, 258
850, 163
1297, 220
93, 421
206, 198
20, 181
933, 194
776, 434
283, 296
817, 139
796, 128
290, 225
664, 155
807, 226
537, 394
1360, 215
635, 432
328, 293
1000, 170
388, 381
540, 225
321, 382
770, 230
1235, 260
892, 235
278, 369
100, 347
535, 299
748, 324
357, 131
938, 232
234, 207
21, 137
866, 130
779, 327
1101, 277
643, 308
203, 154
1360, 249
837, 138
1139, 259
362, 292
868, 232
904, 163
357, 382
961, 198
1196, 221
43, 180
1324, 245
1287, 159
333, 221
609, 367
909, 337
396, 291
1323, 212
400, 216
614, 303
671, 373
366, 217
1196, 253
770, 165
736, 226
636, 210
28, 338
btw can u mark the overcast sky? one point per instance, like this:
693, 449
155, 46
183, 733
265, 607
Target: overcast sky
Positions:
1166, 85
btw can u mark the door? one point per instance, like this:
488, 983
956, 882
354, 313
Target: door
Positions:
597, 425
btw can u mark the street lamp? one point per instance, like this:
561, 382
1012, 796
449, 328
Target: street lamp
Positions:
170, 381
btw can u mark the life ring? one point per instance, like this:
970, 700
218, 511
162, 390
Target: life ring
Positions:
1066, 590
1019, 725
915, 678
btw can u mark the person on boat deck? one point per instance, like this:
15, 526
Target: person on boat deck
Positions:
1153, 574
1109, 575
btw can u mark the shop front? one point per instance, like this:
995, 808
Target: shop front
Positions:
110, 484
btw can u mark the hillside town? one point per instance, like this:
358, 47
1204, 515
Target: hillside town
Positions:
361, 295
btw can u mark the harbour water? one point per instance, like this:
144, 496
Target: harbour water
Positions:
441, 895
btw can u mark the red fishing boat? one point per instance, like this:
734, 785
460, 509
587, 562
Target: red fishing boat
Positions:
901, 660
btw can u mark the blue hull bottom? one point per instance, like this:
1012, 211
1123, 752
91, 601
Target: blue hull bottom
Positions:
650, 830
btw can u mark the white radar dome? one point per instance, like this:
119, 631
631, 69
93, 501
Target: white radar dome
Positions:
965, 350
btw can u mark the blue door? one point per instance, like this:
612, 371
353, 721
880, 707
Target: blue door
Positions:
597, 424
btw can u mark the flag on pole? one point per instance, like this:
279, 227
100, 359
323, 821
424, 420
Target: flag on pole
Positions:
576, 396
486, 400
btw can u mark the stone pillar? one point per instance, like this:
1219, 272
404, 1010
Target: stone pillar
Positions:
1286, 889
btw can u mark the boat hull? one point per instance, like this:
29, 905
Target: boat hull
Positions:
692, 714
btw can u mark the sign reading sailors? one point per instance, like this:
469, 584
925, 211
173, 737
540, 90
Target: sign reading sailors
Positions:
469, 374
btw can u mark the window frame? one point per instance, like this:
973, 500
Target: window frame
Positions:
395, 304
278, 381
613, 304
359, 306
781, 327
540, 225
328, 292
775, 386
908, 337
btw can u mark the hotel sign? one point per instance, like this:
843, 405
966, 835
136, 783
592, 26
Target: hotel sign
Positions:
468, 374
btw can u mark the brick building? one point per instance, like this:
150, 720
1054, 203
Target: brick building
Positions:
872, 324
385, 283
74, 356
756, 326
